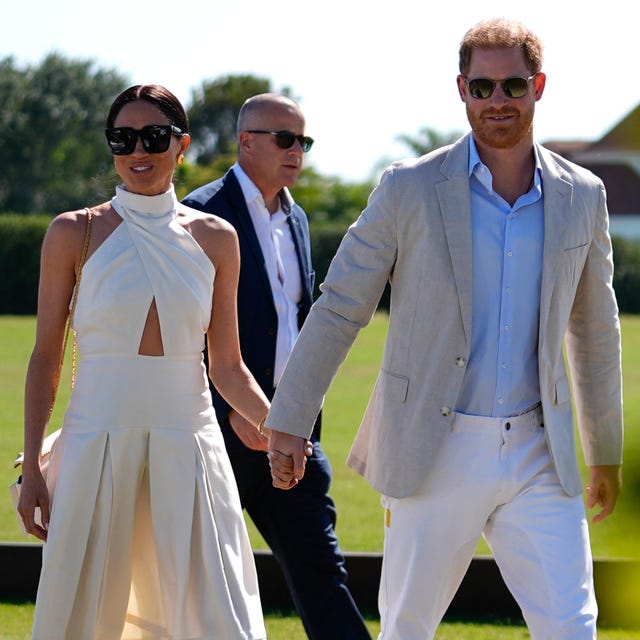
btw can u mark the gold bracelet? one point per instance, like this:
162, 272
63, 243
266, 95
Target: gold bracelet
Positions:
261, 424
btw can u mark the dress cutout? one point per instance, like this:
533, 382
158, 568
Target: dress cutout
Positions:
144, 502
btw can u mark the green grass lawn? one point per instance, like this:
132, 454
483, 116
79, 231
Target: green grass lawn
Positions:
359, 512
16, 625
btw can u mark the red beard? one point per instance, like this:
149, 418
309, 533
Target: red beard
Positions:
500, 134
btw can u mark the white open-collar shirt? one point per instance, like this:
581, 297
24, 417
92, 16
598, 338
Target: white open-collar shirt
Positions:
281, 260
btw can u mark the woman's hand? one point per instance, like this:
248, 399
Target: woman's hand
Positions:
34, 495
248, 434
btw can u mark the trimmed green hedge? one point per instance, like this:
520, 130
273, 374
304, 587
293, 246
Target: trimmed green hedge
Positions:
20, 241
21, 238
626, 275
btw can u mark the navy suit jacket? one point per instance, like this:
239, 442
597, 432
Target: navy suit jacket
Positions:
257, 317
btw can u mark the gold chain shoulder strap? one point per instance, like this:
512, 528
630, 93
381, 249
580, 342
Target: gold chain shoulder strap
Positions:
74, 299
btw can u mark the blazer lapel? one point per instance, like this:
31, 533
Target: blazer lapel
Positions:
557, 194
454, 198
305, 268
244, 224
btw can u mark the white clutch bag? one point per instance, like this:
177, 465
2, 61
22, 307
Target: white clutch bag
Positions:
48, 445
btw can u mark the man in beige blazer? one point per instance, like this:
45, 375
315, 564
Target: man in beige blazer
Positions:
497, 252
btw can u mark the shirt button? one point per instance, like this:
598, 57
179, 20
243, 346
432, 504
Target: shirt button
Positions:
507, 426
445, 411
461, 362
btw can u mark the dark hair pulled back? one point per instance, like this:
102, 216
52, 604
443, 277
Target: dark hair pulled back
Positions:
156, 95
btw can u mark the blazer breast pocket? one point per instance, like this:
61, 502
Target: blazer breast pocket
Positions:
577, 247
573, 259
394, 386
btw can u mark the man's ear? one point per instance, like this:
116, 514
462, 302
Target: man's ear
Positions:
462, 87
245, 140
539, 83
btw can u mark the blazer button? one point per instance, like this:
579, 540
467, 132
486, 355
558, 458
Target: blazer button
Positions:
461, 362
445, 411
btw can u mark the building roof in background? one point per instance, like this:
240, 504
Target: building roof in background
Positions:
615, 159
625, 136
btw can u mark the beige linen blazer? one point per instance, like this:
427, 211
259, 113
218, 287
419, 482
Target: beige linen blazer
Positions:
416, 233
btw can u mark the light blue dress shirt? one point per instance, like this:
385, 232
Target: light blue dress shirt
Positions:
502, 373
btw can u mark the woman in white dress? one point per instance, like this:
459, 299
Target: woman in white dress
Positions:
144, 531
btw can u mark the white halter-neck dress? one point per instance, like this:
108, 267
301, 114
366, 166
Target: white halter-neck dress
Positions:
147, 537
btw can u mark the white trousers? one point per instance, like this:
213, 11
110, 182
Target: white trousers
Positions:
494, 477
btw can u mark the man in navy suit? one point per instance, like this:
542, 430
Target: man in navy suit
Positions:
274, 296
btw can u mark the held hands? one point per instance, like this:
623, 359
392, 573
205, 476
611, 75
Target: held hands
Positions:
605, 484
287, 458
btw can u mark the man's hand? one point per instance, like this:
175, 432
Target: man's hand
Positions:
287, 458
605, 484
247, 433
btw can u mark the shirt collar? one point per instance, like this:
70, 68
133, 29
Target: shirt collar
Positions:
474, 157
251, 192
475, 164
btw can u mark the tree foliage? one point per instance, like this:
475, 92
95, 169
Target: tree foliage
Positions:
214, 112
428, 139
52, 148
328, 200
190, 175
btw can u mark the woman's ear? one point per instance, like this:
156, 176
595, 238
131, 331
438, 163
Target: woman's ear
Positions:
185, 143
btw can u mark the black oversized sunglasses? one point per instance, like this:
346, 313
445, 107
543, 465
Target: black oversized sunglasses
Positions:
156, 138
286, 139
483, 88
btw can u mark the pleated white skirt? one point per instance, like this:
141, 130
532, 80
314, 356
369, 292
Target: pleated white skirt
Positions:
147, 537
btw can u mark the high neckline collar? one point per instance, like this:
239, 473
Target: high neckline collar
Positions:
155, 206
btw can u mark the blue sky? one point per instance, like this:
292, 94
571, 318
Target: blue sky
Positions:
365, 71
